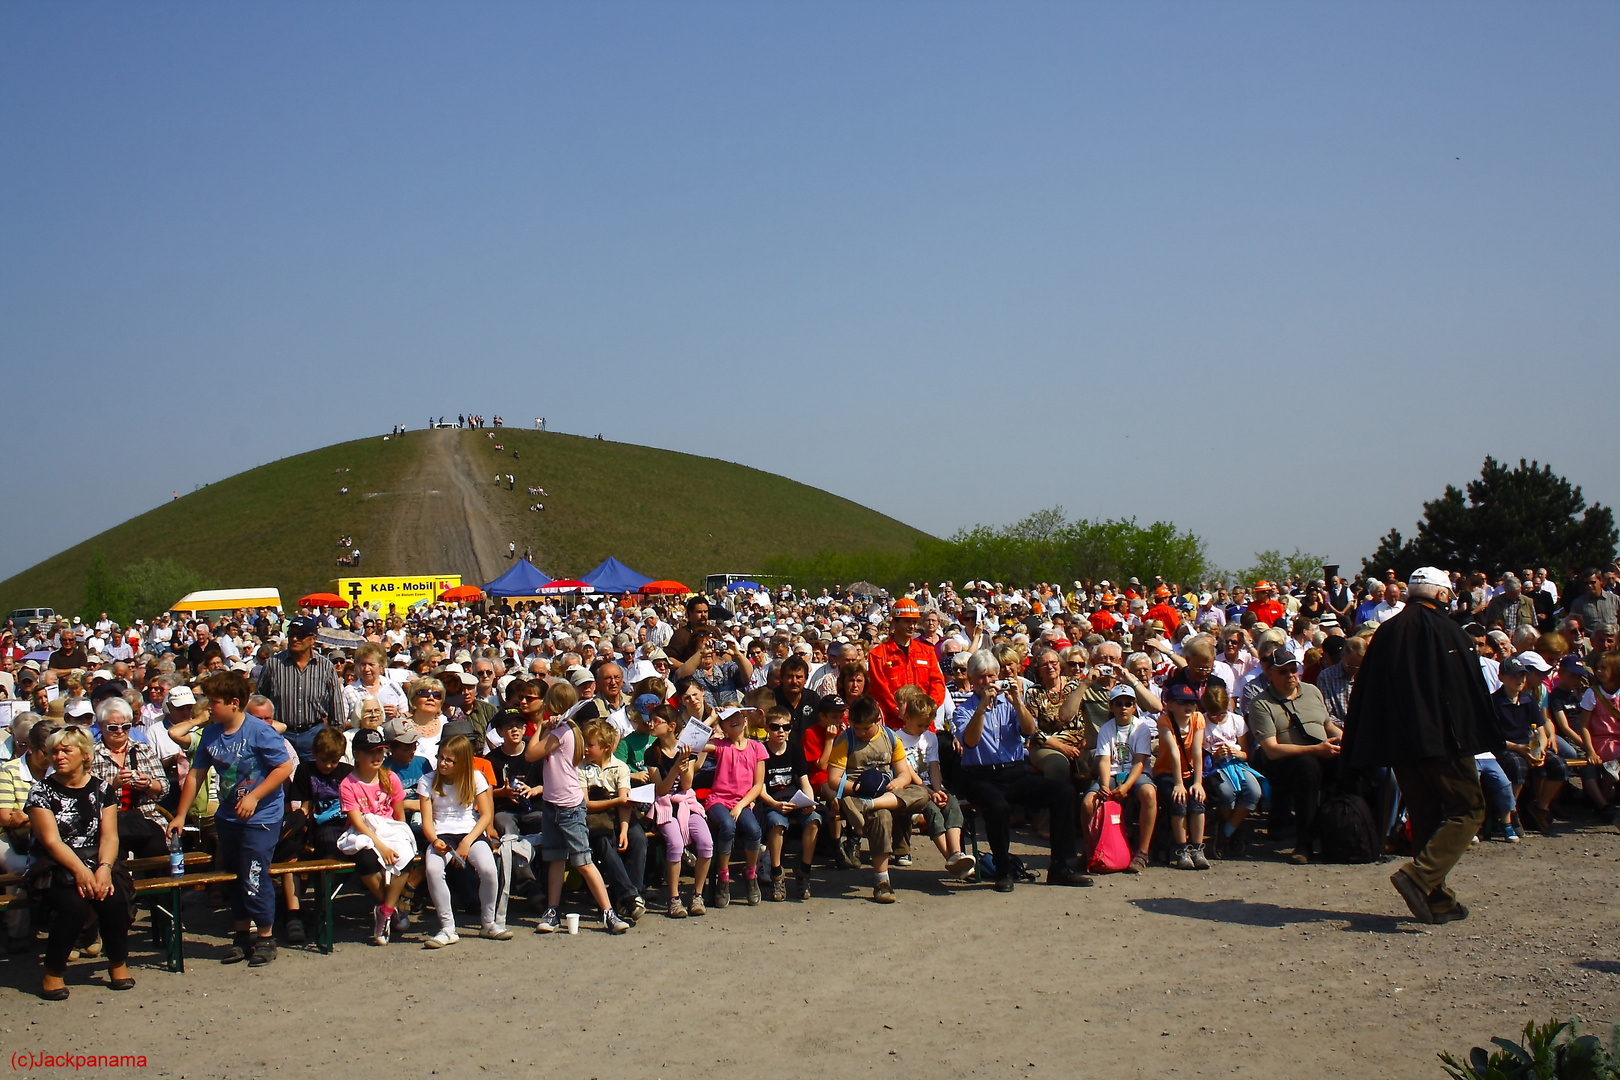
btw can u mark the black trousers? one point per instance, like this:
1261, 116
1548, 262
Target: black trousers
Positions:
69, 912
1304, 776
994, 788
624, 873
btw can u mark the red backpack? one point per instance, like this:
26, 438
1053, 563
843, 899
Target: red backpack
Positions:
1110, 853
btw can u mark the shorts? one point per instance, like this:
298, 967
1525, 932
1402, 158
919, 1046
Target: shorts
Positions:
564, 835
367, 863
1167, 786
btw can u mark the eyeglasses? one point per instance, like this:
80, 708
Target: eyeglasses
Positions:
779, 727
429, 694
115, 728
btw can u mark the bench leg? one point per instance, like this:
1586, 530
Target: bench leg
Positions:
174, 957
324, 929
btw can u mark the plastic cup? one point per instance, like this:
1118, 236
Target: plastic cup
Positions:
571, 920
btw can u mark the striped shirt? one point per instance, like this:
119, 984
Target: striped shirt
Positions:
15, 782
303, 697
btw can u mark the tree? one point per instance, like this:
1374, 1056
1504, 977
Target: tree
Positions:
1274, 566
1508, 520
104, 592
153, 584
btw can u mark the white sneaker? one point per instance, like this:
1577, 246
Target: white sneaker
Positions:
959, 865
379, 926
441, 939
496, 933
401, 921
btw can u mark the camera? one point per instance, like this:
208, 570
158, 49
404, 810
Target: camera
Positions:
1104, 671
1002, 684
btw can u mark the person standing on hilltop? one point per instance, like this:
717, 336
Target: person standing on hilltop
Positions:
511, 549
1421, 706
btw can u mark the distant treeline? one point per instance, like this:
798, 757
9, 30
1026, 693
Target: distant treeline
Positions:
1045, 546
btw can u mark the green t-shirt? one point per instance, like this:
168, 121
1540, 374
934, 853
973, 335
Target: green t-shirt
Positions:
632, 750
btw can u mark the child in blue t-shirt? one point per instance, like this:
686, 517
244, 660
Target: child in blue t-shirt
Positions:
250, 759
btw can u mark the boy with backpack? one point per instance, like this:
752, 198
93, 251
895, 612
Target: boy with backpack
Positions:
564, 836
876, 789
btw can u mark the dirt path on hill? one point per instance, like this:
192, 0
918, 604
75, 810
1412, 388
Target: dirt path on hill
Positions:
443, 519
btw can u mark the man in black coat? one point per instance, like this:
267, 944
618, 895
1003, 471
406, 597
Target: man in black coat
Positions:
1420, 706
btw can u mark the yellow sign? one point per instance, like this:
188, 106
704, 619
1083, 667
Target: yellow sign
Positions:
401, 592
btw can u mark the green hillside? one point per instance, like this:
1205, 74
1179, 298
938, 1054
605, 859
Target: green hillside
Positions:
428, 498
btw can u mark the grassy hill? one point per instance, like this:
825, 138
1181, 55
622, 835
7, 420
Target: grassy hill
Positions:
663, 513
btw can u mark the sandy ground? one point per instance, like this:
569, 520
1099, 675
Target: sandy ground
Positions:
1252, 969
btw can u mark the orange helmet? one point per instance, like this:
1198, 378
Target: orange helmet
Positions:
1162, 593
905, 608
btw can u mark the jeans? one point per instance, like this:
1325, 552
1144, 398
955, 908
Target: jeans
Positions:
1498, 789
482, 861
994, 788
622, 871
1227, 795
247, 851
725, 829
304, 742
1167, 801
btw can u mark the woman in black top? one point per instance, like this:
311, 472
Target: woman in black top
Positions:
75, 821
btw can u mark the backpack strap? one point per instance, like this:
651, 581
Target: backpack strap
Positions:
849, 759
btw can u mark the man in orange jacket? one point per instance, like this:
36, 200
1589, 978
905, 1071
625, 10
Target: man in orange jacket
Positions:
902, 660
1162, 610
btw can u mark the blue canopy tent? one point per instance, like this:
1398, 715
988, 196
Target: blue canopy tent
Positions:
614, 577
522, 580
736, 585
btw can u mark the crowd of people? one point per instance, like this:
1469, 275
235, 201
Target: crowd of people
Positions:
685, 755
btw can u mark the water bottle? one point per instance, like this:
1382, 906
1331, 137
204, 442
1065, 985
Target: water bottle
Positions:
177, 855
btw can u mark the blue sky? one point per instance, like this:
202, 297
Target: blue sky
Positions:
1275, 272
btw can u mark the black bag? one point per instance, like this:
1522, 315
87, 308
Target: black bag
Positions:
1345, 826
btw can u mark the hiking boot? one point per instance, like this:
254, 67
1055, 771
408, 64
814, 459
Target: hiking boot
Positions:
1416, 900
240, 948
550, 922
1183, 859
677, 910
1198, 860
379, 926
295, 930
612, 923
696, 908
264, 951
778, 888
883, 893
753, 892
1139, 863
801, 886
722, 893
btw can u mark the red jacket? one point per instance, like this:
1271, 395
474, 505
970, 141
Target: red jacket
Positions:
890, 669
1165, 614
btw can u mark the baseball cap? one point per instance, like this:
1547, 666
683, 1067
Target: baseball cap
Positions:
1533, 661
368, 739
648, 702
656, 654
1121, 690
180, 697
399, 731
1512, 666
1430, 575
579, 675
1180, 692
100, 674
831, 703
81, 707
300, 628
1573, 663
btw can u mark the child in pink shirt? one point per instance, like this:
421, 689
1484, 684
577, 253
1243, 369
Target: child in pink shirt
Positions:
739, 778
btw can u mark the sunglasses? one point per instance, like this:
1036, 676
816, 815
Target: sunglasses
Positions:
116, 727
779, 727
429, 694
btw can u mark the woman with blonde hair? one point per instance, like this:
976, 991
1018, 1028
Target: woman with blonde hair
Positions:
457, 811
74, 818
427, 715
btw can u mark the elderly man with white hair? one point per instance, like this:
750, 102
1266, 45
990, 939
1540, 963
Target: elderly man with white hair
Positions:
1422, 708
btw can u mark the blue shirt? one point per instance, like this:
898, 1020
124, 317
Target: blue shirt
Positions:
242, 761
1001, 742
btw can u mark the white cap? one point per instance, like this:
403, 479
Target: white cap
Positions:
1533, 661
1430, 575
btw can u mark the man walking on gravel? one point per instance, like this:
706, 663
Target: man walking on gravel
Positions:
1420, 706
